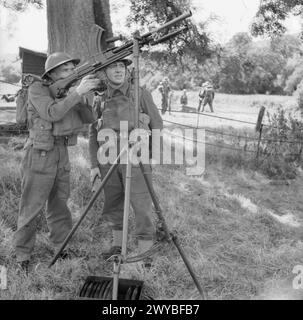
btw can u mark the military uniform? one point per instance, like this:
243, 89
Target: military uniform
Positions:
164, 88
183, 100
206, 96
118, 103
45, 169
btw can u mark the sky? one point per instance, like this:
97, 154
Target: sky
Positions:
29, 29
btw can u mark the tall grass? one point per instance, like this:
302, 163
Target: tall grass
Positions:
236, 248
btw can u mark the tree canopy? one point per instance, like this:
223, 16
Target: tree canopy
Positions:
195, 43
21, 5
270, 18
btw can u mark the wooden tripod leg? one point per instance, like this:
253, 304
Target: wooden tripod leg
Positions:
173, 238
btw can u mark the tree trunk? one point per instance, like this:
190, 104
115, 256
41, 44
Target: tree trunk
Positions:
70, 22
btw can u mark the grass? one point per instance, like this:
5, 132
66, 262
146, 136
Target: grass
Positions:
229, 221
237, 249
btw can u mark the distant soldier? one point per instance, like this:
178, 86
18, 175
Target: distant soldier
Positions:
206, 96
165, 90
183, 99
8, 97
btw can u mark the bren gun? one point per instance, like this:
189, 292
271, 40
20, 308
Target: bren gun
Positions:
103, 59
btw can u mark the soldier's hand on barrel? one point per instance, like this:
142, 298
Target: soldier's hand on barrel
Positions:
87, 84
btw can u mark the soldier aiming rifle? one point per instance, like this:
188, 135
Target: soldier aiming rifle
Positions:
53, 124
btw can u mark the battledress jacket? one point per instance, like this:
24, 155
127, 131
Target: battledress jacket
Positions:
49, 117
146, 104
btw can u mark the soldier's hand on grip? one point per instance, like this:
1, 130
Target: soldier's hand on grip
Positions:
87, 84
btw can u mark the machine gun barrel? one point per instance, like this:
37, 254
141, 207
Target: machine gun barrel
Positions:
148, 35
168, 36
103, 59
169, 23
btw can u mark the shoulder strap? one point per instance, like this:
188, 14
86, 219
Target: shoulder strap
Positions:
98, 104
131, 94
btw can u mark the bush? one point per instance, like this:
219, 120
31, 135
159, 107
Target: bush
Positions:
299, 94
281, 147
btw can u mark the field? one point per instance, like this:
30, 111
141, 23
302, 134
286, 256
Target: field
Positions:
242, 233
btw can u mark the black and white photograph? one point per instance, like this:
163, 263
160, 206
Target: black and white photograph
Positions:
151, 150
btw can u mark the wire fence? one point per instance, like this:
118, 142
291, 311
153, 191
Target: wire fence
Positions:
212, 131
232, 148
238, 136
213, 116
247, 138
211, 144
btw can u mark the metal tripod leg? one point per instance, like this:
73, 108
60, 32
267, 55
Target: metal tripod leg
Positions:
170, 237
88, 206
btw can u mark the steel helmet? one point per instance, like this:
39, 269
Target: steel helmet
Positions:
57, 59
126, 61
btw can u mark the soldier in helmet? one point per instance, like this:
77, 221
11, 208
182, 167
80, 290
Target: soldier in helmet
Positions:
53, 126
183, 99
206, 96
118, 105
165, 91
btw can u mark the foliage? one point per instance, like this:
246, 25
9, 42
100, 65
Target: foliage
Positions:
10, 74
295, 76
247, 67
21, 5
194, 43
282, 146
299, 95
271, 15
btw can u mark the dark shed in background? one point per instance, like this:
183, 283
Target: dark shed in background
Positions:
32, 62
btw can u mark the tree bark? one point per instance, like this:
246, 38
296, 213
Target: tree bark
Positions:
70, 22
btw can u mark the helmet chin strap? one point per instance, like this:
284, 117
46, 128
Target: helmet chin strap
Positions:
115, 86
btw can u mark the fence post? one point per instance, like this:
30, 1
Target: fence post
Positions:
259, 128
259, 141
